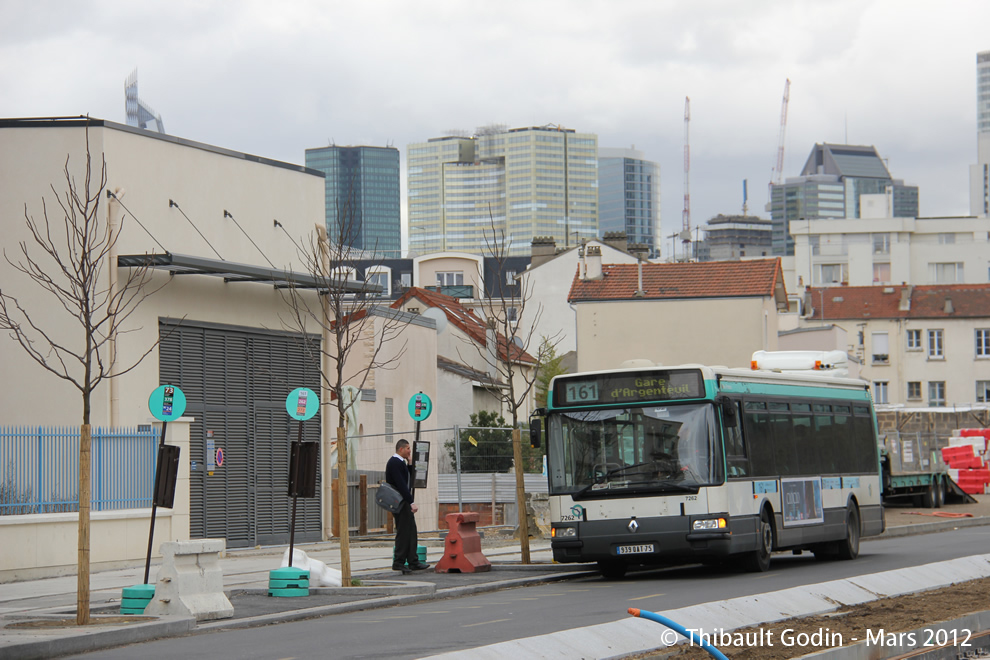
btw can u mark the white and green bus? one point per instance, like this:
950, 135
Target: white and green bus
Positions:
652, 466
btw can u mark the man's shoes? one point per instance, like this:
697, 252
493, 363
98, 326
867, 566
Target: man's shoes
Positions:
419, 566
402, 567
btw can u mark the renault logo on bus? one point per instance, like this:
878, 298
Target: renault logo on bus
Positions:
632, 526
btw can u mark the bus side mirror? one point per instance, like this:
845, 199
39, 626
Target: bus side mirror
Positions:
728, 407
535, 432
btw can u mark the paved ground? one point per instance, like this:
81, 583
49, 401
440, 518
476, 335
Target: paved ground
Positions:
246, 581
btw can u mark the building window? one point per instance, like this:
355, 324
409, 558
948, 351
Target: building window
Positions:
936, 351
881, 243
389, 412
880, 391
949, 273
880, 347
379, 279
936, 393
881, 273
510, 277
983, 391
982, 343
914, 340
453, 278
832, 274
946, 239
914, 389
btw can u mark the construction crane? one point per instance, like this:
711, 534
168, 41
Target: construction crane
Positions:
778, 171
685, 234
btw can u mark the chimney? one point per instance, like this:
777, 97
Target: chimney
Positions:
905, 304
542, 250
639, 250
593, 262
617, 240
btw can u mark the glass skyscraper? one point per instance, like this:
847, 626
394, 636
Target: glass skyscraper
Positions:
831, 183
629, 196
539, 181
362, 196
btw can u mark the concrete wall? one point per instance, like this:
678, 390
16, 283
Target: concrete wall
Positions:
45, 544
713, 332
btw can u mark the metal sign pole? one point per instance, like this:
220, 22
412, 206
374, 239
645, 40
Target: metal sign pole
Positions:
159, 474
295, 500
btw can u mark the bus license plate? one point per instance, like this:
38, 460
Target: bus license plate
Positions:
634, 549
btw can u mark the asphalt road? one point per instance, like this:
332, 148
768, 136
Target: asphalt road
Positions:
428, 628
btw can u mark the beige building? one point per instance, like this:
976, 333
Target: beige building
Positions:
917, 345
548, 280
884, 250
206, 213
714, 313
472, 359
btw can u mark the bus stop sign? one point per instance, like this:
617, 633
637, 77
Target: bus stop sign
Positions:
420, 407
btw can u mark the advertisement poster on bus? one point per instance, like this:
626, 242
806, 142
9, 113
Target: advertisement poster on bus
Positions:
802, 501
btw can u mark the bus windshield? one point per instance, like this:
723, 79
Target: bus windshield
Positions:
601, 453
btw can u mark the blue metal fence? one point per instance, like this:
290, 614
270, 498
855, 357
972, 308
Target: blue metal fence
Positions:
39, 469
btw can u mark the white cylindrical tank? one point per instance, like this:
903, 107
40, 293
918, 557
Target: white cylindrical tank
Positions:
800, 360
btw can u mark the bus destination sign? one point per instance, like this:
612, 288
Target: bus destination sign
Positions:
628, 387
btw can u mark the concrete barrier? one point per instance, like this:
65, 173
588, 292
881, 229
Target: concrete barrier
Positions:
190, 581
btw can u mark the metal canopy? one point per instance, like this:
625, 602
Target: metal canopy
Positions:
181, 264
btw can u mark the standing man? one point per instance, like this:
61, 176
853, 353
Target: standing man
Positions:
398, 474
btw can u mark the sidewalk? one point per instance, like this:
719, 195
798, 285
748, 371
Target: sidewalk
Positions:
246, 581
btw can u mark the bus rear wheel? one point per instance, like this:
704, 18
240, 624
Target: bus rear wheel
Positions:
758, 561
612, 570
849, 547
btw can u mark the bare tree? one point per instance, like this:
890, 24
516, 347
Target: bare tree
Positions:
511, 323
71, 261
356, 327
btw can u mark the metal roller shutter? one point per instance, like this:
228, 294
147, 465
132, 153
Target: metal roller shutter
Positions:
236, 381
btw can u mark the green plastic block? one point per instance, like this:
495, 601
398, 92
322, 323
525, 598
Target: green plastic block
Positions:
134, 603
288, 584
128, 610
288, 573
146, 591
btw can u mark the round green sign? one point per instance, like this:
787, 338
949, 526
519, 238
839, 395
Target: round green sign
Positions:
302, 403
420, 407
167, 403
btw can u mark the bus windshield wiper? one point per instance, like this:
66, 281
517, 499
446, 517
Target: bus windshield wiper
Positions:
604, 478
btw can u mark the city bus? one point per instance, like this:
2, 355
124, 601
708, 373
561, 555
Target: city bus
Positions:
660, 465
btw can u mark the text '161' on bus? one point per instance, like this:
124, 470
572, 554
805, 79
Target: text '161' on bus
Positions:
661, 465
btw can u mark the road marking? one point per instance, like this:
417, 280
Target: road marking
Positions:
645, 597
403, 616
484, 623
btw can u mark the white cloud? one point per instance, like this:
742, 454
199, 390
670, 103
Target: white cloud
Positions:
276, 78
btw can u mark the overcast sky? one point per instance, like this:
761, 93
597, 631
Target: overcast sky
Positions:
274, 78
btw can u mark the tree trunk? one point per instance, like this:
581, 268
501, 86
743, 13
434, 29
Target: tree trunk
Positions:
343, 524
82, 585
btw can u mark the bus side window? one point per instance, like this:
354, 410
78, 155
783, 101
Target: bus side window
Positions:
737, 462
759, 440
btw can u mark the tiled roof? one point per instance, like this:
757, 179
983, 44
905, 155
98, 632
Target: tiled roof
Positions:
464, 370
708, 279
465, 319
885, 302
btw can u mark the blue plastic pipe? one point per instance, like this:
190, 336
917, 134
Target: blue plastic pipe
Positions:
673, 625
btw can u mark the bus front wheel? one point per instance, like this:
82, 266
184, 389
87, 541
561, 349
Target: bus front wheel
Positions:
758, 560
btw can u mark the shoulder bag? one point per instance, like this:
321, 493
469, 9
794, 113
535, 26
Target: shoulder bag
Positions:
389, 498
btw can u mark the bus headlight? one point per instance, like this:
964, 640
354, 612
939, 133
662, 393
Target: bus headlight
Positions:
563, 532
709, 524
